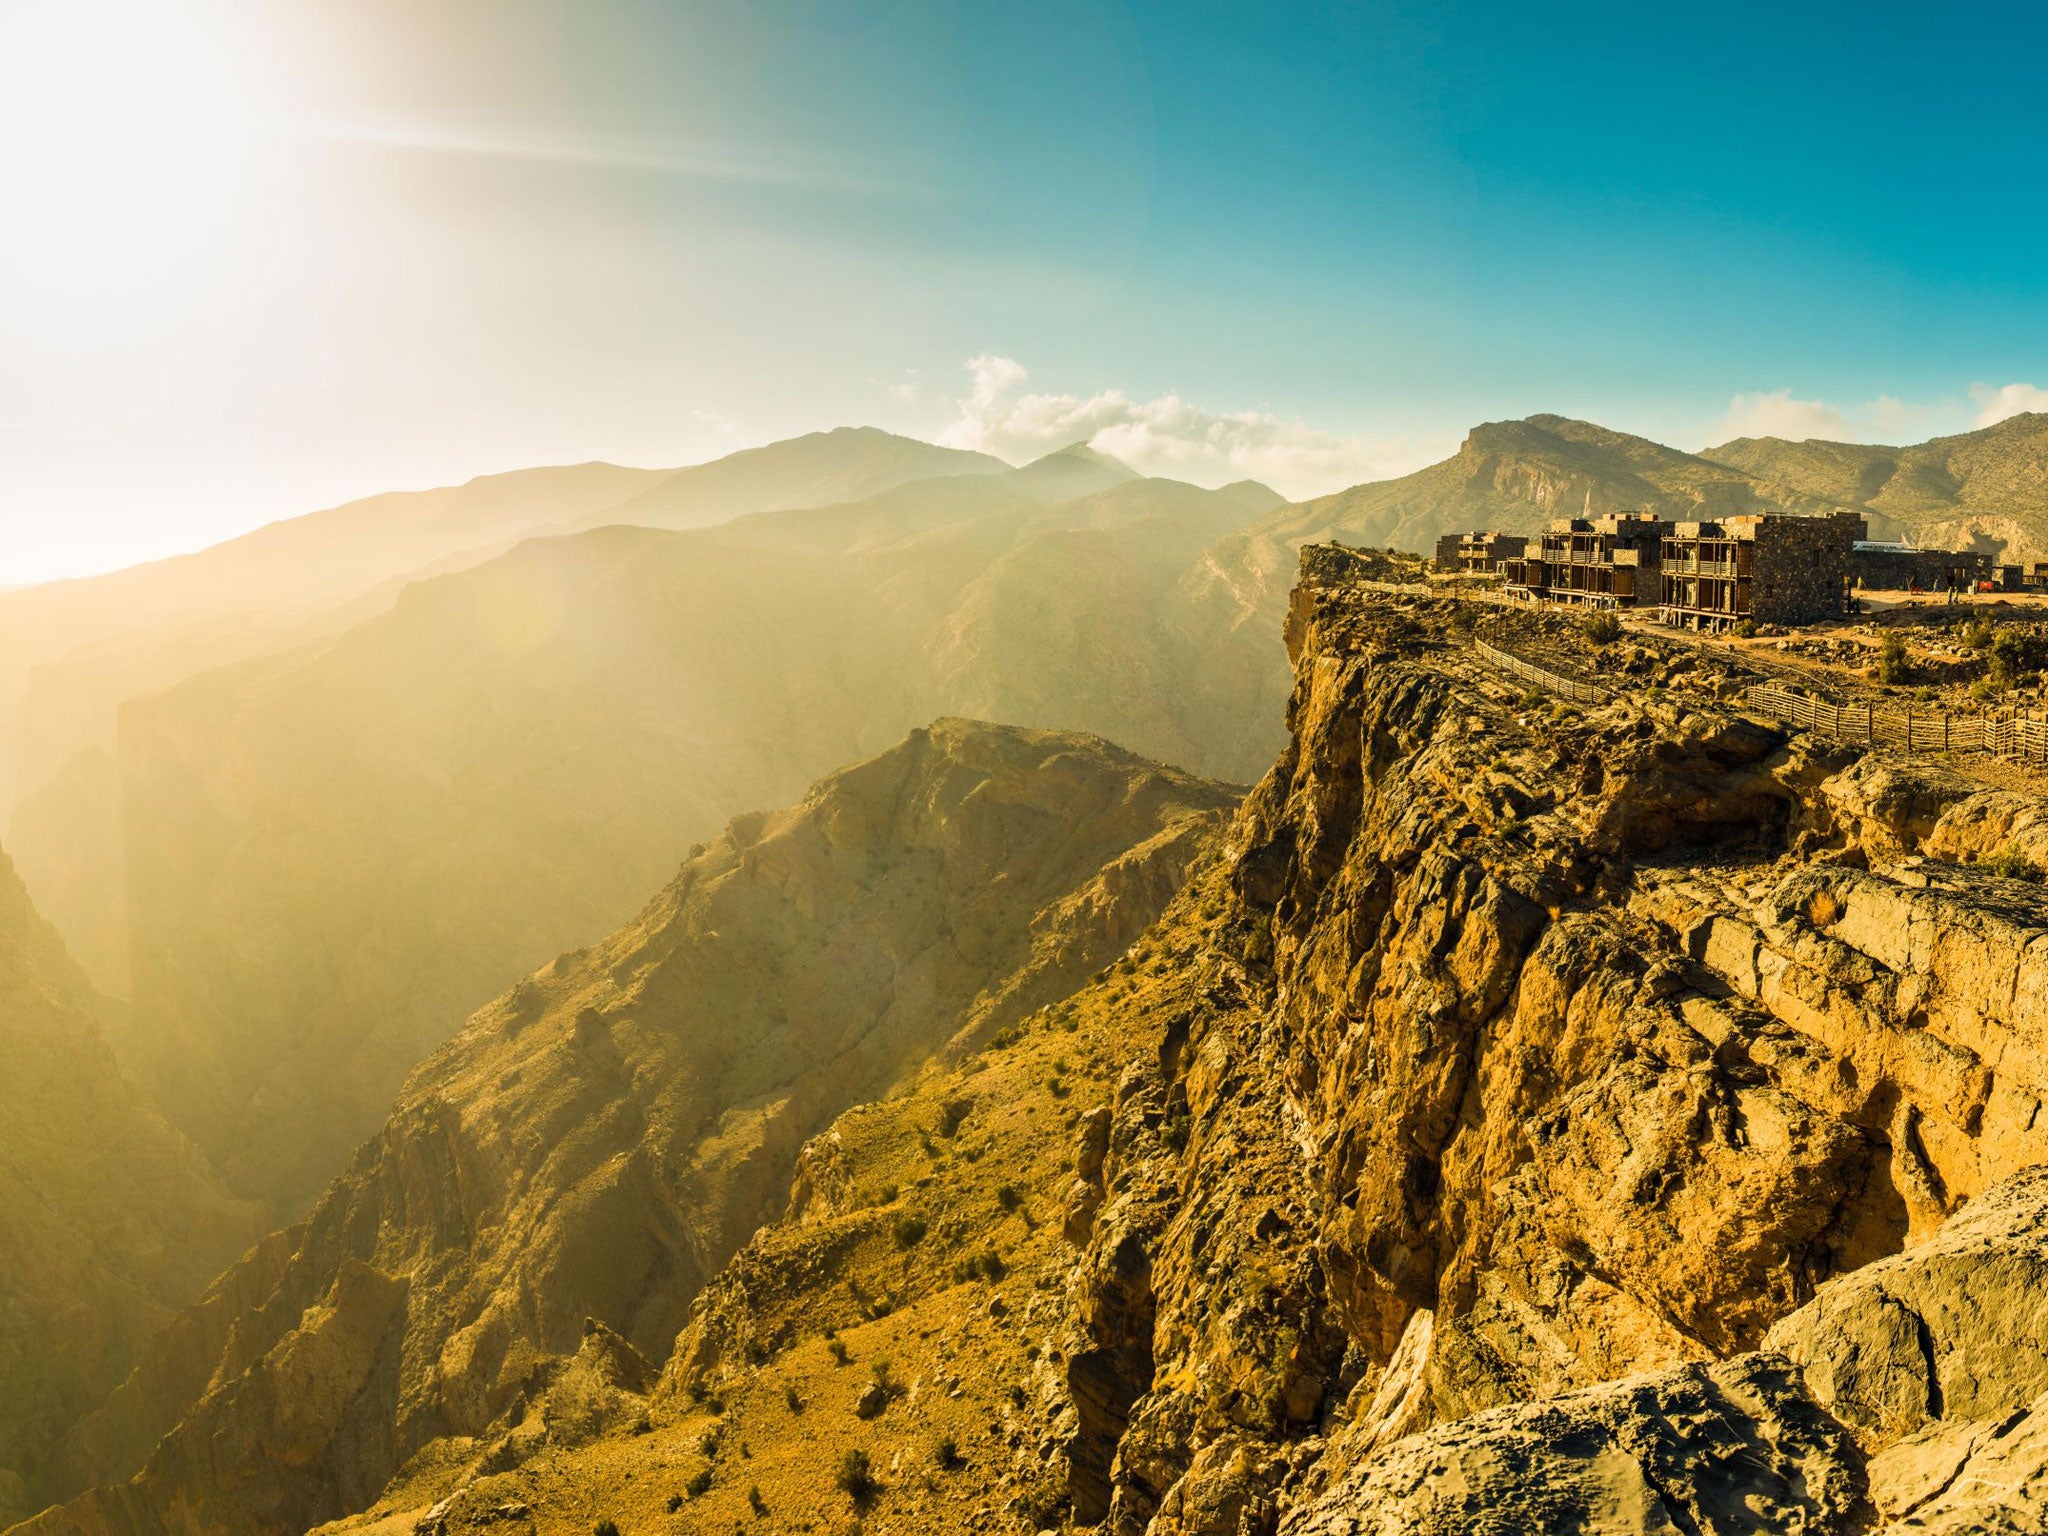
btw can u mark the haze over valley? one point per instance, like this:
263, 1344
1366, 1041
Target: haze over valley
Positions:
1095, 769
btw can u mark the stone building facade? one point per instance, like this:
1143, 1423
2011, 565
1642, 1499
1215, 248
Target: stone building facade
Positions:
1765, 567
1903, 568
1605, 562
1479, 553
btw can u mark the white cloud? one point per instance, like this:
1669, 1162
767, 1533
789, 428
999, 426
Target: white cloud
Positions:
1170, 436
1889, 419
1996, 404
1774, 413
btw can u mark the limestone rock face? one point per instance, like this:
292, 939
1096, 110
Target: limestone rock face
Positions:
1955, 1328
1584, 1043
555, 1185
1732, 1449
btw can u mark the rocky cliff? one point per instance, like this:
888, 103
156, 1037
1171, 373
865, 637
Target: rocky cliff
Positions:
1535, 1119
568, 1171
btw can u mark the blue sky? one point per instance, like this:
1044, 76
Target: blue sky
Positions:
285, 255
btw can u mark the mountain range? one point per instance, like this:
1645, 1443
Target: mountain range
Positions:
1985, 489
454, 734
1513, 1116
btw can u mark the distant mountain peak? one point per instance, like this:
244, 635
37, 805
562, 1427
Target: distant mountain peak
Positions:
1080, 452
1074, 471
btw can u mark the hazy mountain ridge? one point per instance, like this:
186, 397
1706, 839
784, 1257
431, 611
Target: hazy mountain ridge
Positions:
109, 1219
72, 651
337, 852
1984, 489
598, 1141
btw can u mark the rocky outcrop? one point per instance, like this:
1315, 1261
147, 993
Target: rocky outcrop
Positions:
1729, 1449
1594, 1042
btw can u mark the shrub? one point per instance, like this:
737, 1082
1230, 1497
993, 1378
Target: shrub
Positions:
839, 1351
755, 1502
856, 1477
699, 1483
1602, 628
879, 1369
1746, 630
910, 1231
605, 1527
947, 1452
1894, 662
2014, 653
1007, 1197
2010, 864
1173, 1135
988, 1265
794, 1398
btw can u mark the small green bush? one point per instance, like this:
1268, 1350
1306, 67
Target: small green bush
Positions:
1601, 628
792, 1397
755, 1502
986, 1265
856, 1477
1746, 630
606, 1527
839, 1351
947, 1452
699, 1483
909, 1231
1007, 1197
1894, 662
2010, 864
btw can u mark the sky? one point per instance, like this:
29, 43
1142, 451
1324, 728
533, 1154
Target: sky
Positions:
257, 259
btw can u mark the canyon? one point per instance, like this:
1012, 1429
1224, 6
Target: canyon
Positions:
1517, 1116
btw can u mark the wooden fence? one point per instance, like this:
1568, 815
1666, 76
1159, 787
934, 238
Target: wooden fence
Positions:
2015, 735
1574, 688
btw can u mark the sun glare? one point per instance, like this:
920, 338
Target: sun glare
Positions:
122, 134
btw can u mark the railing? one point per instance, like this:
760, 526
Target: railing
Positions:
2020, 736
1703, 568
1577, 689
